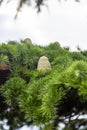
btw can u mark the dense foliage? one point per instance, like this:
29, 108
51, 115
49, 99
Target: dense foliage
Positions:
42, 98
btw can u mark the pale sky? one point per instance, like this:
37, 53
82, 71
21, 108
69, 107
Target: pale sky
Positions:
65, 22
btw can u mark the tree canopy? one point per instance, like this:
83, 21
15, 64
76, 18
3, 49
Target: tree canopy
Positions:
29, 96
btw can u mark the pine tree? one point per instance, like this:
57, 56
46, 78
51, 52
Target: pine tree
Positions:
43, 98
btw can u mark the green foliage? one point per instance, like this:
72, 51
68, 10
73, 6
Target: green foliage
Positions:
12, 89
42, 98
31, 101
4, 60
78, 56
61, 62
75, 74
53, 50
52, 94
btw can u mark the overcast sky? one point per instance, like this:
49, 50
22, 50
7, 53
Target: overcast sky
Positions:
65, 22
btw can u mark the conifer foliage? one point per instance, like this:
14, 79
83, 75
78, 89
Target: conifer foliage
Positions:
29, 96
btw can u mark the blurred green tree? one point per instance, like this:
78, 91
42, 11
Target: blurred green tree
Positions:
46, 99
